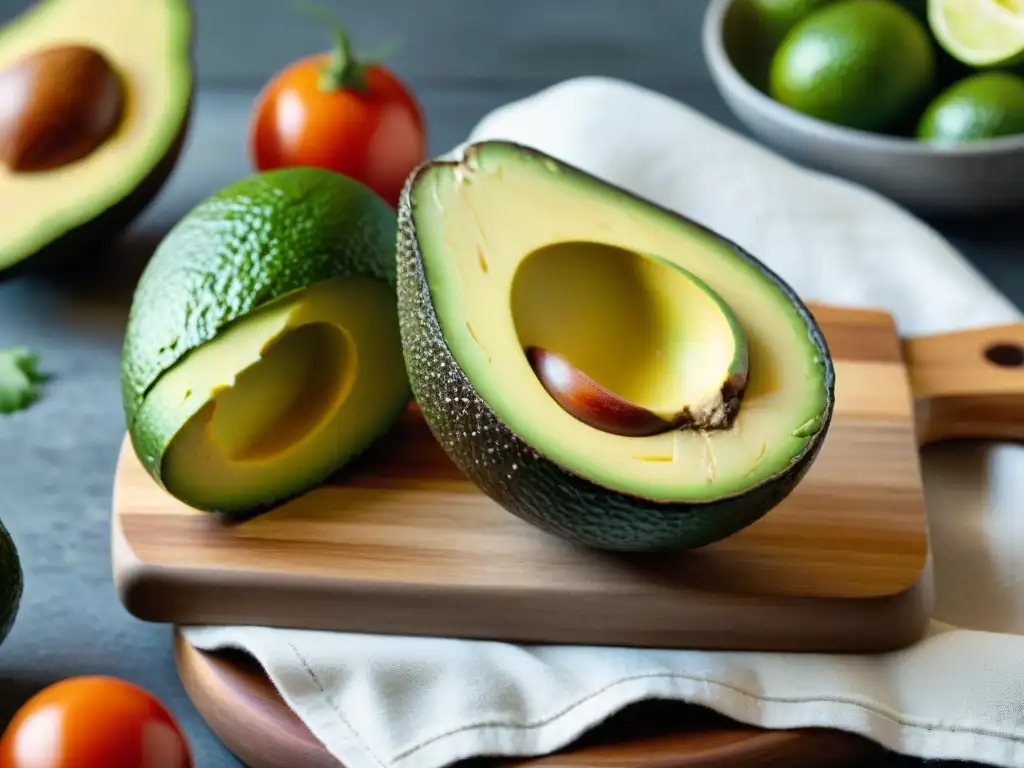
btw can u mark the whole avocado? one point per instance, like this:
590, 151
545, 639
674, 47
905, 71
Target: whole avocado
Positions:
11, 582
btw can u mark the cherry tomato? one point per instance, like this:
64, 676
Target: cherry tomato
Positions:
333, 111
94, 722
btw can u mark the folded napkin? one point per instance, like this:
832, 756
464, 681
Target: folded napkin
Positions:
401, 702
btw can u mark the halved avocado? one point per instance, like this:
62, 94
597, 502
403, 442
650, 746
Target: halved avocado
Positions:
509, 250
97, 97
262, 351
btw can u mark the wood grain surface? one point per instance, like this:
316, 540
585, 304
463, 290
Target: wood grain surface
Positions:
969, 384
402, 543
240, 705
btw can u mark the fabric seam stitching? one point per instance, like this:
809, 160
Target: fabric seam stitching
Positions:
751, 698
331, 705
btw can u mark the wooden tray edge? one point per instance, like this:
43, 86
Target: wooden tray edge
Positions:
241, 707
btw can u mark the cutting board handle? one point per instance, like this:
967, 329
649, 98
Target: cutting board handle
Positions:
968, 384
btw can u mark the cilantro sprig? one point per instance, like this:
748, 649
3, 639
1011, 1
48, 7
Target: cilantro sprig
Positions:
20, 378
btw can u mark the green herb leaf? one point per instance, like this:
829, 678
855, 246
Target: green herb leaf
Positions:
19, 379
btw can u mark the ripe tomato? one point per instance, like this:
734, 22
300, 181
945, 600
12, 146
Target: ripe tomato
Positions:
332, 111
94, 722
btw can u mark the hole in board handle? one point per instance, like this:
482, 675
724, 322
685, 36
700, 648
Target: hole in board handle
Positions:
1006, 355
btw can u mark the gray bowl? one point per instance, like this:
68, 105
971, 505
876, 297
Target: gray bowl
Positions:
981, 177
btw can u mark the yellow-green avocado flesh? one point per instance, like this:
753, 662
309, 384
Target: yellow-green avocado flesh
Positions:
290, 361
509, 248
70, 210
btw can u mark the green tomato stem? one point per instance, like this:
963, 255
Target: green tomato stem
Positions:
343, 70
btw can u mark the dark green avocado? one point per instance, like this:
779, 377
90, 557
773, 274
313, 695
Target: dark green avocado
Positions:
509, 250
262, 349
11, 583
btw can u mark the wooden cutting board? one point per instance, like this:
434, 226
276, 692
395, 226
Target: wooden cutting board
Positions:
402, 543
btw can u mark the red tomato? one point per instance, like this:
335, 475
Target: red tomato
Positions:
94, 722
331, 111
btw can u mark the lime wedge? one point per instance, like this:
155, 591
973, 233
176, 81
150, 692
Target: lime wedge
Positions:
979, 33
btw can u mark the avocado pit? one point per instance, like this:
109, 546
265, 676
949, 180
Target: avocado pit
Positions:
57, 106
645, 348
588, 401
595, 406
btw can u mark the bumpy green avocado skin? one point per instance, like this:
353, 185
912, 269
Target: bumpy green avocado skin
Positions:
532, 487
224, 259
11, 583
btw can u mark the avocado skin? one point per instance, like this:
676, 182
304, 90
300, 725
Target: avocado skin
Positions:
534, 488
209, 258
65, 253
11, 583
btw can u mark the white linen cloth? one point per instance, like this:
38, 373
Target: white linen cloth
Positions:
401, 702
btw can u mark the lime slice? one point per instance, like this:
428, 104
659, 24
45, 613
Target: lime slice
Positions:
979, 33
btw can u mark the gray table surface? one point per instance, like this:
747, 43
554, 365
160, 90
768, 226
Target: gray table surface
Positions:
57, 458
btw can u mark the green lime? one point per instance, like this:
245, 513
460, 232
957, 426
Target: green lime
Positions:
777, 17
982, 106
860, 63
979, 33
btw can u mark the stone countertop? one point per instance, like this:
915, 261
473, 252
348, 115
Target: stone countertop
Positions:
57, 457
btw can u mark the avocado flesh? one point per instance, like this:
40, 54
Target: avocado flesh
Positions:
149, 42
280, 399
690, 375
11, 583
510, 248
